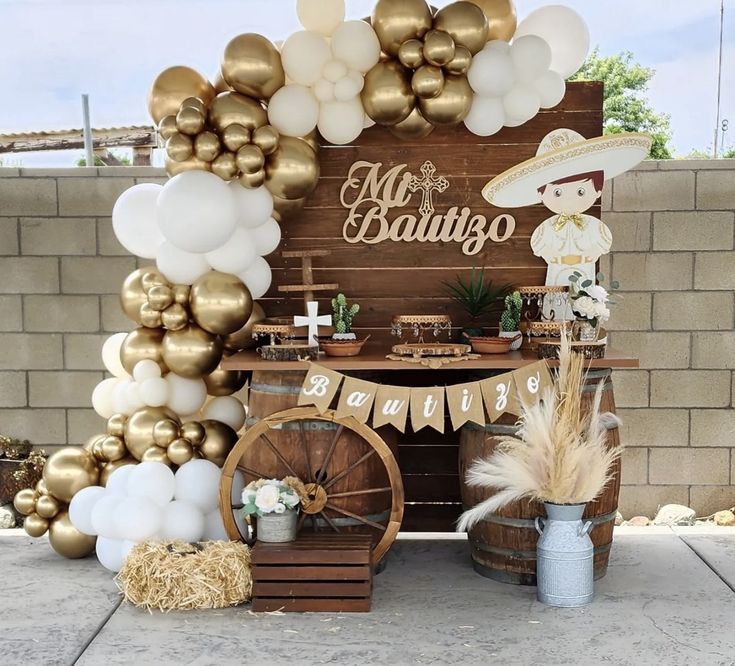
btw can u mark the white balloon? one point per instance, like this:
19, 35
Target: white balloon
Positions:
182, 520
341, 122
227, 409
125, 548
304, 55
146, 369
566, 33
238, 485
486, 117
137, 519
254, 207
324, 90
196, 211
214, 527
257, 278
334, 70
154, 392
266, 239
293, 110
521, 104
346, 89
321, 16
133, 399
153, 480
102, 397
117, 482
236, 255
102, 516
111, 355
81, 505
134, 220
186, 396
181, 267
110, 553
120, 403
197, 482
498, 45
491, 72
551, 87
356, 44
531, 57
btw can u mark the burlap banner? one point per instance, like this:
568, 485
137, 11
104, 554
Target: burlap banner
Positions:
391, 406
427, 408
356, 399
465, 404
319, 387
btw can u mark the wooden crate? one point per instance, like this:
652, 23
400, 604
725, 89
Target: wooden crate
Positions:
317, 572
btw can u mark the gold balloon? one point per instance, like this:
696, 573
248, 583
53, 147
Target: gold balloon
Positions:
452, 105
139, 428
113, 448
292, 171
252, 65
235, 136
250, 159
116, 425
230, 107
190, 120
47, 506
67, 540
175, 317
312, 138
195, 103
149, 317
501, 16
207, 146
133, 295
193, 432
218, 442
110, 467
427, 82
165, 432
220, 303
411, 53
41, 488
160, 297
25, 501
181, 294
151, 279
439, 48
174, 168
35, 526
142, 344
220, 85
68, 471
224, 166
466, 23
172, 86
179, 147
252, 181
97, 450
180, 452
414, 127
396, 21
156, 454
461, 61
266, 138
283, 209
224, 382
387, 96
167, 127
243, 338
191, 352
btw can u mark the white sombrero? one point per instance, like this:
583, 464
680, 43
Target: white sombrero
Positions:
563, 153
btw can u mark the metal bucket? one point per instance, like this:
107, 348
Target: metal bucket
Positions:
277, 527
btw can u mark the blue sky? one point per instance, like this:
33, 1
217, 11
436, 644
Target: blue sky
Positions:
52, 51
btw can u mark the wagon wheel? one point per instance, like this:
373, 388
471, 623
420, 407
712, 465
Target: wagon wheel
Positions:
323, 475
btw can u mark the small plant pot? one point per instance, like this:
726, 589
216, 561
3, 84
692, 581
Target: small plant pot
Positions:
342, 348
516, 336
277, 527
493, 345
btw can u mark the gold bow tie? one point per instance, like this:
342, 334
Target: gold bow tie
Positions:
562, 221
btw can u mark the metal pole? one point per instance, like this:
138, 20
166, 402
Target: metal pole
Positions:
88, 142
719, 77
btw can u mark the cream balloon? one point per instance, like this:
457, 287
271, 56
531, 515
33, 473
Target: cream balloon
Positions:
356, 44
179, 266
293, 110
266, 238
154, 392
340, 123
227, 409
254, 206
198, 482
486, 117
551, 87
146, 369
182, 520
80, 508
102, 397
531, 56
521, 104
304, 55
111, 355
186, 396
153, 480
109, 553
257, 278
134, 220
491, 72
334, 70
322, 16
237, 254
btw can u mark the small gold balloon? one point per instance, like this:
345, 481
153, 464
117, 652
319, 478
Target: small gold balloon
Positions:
250, 159
252, 65
160, 297
220, 85
414, 127
110, 467
139, 428
235, 136
167, 127
243, 338
175, 317
35, 526
284, 209
396, 21
224, 382
41, 488
165, 432
172, 86
312, 138
452, 105
149, 317
174, 168
97, 450
179, 147
501, 16
427, 81
218, 442
191, 352
207, 146
67, 540
180, 452
224, 166
181, 294
193, 432
47, 506
232, 107
68, 471
460, 63
190, 120
466, 23
292, 171
142, 344
387, 95
220, 303
439, 48
116, 425
252, 181
411, 53
113, 448
156, 454
195, 103
152, 278
266, 138
133, 294
25, 501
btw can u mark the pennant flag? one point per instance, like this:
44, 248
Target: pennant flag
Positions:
500, 396
465, 404
391, 406
532, 381
319, 387
427, 408
356, 399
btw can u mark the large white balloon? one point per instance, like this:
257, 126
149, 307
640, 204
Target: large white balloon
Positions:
214, 527
321, 16
134, 220
226, 408
146, 369
111, 355
133, 399
102, 516
186, 396
237, 254
137, 519
341, 122
304, 55
521, 104
349, 87
182, 520
154, 392
110, 553
180, 267
293, 110
196, 211
257, 278
102, 397
266, 239
120, 404
531, 56
197, 482
486, 117
153, 480
238, 485
117, 483
254, 207
551, 88
566, 33
81, 505
356, 44
491, 72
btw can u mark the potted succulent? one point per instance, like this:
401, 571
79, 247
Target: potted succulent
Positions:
275, 505
589, 302
343, 342
510, 320
477, 297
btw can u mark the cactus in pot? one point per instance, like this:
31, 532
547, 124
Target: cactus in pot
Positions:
342, 317
510, 320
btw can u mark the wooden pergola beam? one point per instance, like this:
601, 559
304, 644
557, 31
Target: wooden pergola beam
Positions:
123, 137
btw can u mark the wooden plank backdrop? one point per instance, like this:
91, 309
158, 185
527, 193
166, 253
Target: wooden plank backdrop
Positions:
398, 277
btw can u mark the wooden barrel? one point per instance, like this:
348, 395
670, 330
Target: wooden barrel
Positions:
504, 544
305, 449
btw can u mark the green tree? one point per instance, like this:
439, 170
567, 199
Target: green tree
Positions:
625, 107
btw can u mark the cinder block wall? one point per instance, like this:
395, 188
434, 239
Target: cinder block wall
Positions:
674, 228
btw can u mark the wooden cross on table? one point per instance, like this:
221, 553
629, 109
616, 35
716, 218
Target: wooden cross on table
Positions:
429, 184
307, 286
313, 320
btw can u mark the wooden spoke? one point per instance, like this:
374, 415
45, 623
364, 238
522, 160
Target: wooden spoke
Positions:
345, 472
370, 491
253, 472
307, 454
362, 519
329, 521
328, 458
278, 454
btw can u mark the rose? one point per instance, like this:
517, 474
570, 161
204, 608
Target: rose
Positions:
280, 508
598, 292
290, 499
584, 305
601, 312
267, 498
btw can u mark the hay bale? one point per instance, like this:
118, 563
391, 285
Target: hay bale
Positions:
175, 575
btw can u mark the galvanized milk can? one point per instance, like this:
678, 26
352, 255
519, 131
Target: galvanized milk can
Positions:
564, 565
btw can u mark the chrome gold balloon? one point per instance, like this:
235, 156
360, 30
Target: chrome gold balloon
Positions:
174, 168
149, 317
25, 501
41, 488
461, 62
116, 425
47, 506
220, 303
236, 136
292, 172
180, 452
167, 127
113, 448
207, 146
110, 467
191, 352
175, 317
251, 64
35, 526
179, 147
411, 53
67, 540
242, 338
218, 442
165, 432
253, 181
190, 120
152, 278
193, 431
139, 428
172, 86
414, 127
396, 21
439, 48
452, 105
250, 159
387, 96
224, 166
466, 23
194, 103
142, 344
266, 138
231, 107
283, 209
68, 471
224, 382
160, 297
501, 17
156, 454
427, 81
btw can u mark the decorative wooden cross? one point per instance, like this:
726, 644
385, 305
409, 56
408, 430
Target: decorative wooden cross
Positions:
307, 286
312, 320
427, 185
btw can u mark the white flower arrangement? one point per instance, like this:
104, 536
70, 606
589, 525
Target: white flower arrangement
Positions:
266, 496
589, 300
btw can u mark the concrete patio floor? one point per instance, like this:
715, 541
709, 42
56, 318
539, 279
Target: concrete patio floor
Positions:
668, 599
